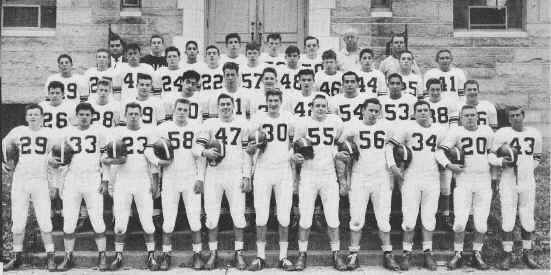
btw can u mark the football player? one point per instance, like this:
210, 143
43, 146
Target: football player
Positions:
371, 179
169, 79
300, 104
101, 70
240, 95
126, 80
269, 82
75, 85
517, 186
411, 80
397, 105
348, 105
198, 109
228, 172
31, 144
328, 80
473, 189
152, 108
251, 72
372, 81
348, 56
106, 108
311, 59
116, 49
233, 47
192, 52
391, 64
137, 179
318, 177
273, 57
421, 187
273, 173
182, 177
211, 72
487, 113
288, 73
83, 180
155, 58
452, 78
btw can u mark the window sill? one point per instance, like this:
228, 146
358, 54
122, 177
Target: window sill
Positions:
464, 33
130, 12
22, 32
381, 13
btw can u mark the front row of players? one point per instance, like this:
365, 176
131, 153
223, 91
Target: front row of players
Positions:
225, 152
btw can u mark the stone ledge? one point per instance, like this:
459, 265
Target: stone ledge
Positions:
485, 34
25, 32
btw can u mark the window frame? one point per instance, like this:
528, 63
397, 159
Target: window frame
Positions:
23, 6
130, 11
469, 25
126, 6
15, 31
508, 32
381, 11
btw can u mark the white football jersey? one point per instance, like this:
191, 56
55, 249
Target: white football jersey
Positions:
241, 60
349, 61
279, 133
315, 64
445, 111
414, 84
76, 87
189, 67
167, 81
300, 105
391, 65
475, 145
289, 78
58, 117
153, 111
452, 80
258, 103
242, 103
251, 77
373, 82
487, 113
271, 61
137, 165
328, 84
198, 106
323, 135
212, 80
94, 76
400, 109
348, 108
127, 78
528, 143
87, 145
182, 140
107, 115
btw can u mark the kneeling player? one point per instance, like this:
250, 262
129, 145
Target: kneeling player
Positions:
371, 179
182, 177
473, 189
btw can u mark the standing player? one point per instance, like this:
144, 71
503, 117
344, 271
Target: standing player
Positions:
240, 95
136, 179
106, 108
421, 187
300, 104
371, 179
372, 81
231, 175
192, 52
233, 47
391, 64
411, 80
198, 102
211, 72
348, 105
258, 102
473, 189
318, 177
84, 180
273, 57
348, 56
182, 177
169, 79
101, 70
328, 81
288, 73
32, 144
487, 113
75, 85
153, 112
517, 187
452, 78
116, 49
251, 72
156, 58
397, 106
273, 173
126, 80
310, 58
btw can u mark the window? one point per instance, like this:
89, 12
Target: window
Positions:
488, 14
29, 14
380, 4
131, 4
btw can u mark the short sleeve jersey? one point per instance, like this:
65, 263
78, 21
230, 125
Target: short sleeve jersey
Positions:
527, 142
400, 109
348, 108
198, 106
127, 78
93, 75
487, 113
289, 78
107, 115
315, 64
452, 80
414, 84
168, 81
328, 84
86, 144
300, 105
475, 144
251, 77
212, 79
58, 117
240, 59
444, 111
135, 142
279, 132
75, 87
372, 82
153, 111
272, 61
182, 140
241, 100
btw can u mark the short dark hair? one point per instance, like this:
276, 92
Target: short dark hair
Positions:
104, 82
395, 75
222, 96
84, 106
191, 74
471, 82
310, 38
56, 84
156, 36
433, 81
103, 50
420, 103
192, 42
372, 100
397, 35
232, 35
329, 54
269, 70
64, 56
356, 77
514, 108
273, 36
230, 66
319, 95
133, 46
306, 72
274, 92
144, 77
292, 49
212, 47
181, 101
172, 49
251, 46
132, 105
115, 37
364, 51
466, 107
442, 51
31, 106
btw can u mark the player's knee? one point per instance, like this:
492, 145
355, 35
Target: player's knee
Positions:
239, 221
46, 228
67, 229
507, 226
100, 228
18, 228
261, 219
119, 229
333, 222
356, 224
195, 225
481, 227
283, 220
304, 222
168, 228
148, 227
384, 226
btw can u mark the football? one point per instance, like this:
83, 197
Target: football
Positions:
11, 154
220, 148
402, 155
115, 149
455, 155
349, 147
259, 139
507, 152
163, 149
63, 152
304, 147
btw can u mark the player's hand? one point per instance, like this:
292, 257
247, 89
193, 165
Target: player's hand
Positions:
251, 149
297, 158
164, 163
103, 187
155, 190
198, 187
7, 167
211, 154
54, 162
397, 172
507, 163
115, 161
53, 193
456, 168
246, 185
343, 156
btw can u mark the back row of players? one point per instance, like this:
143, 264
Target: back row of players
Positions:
308, 117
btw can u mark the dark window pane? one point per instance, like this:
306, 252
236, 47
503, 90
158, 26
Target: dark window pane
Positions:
488, 18
380, 3
48, 17
490, 15
20, 16
130, 3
